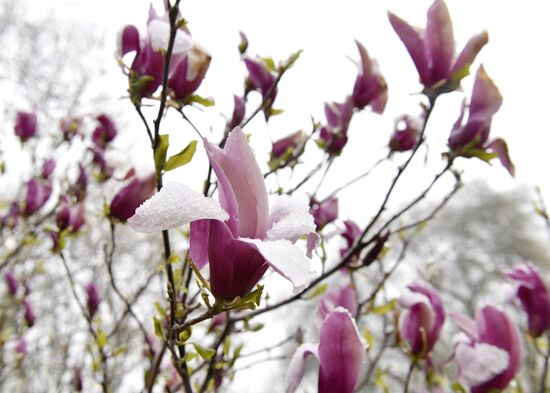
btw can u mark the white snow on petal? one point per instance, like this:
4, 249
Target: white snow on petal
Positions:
295, 371
409, 298
287, 260
480, 363
173, 206
159, 33
290, 219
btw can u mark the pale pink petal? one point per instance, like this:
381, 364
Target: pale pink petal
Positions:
237, 164
290, 219
470, 51
295, 371
287, 260
173, 206
480, 363
341, 353
466, 324
486, 98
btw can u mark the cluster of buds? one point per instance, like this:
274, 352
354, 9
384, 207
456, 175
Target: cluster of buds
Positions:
189, 62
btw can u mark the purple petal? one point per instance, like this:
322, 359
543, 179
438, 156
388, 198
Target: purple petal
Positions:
198, 242
414, 42
287, 260
341, 297
295, 371
129, 40
340, 345
470, 51
500, 148
239, 174
235, 266
486, 99
173, 206
440, 41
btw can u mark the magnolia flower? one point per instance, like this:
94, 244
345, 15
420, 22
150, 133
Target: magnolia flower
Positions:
11, 282
189, 72
239, 111
105, 132
433, 49
25, 125
406, 134
422, 319
238, 237
260, 77
340, 297
489, 353
70, 127
533, 296
350, 233
28, 313
70, 217
38, 193
334, 135
471, 138
93, 298
148, 63
341, 353
11, 219
128, 199
370, 86
284, 147
324, 212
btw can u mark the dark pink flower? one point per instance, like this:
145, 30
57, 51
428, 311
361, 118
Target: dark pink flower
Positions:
189, 72
489, 353
260, 77
370, 86
128, 199
533, 296
239, 237
324, 212
422, 318
38, 193
11, 219
406, 134
25, 125
48, 168
93, 298
340, 297
105, 132
239, 111
334, 134
470, 138
28, 313
70, 216
286, 146
11, 282
70, 127
341, 353
433, 49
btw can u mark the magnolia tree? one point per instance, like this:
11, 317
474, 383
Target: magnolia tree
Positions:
178, 309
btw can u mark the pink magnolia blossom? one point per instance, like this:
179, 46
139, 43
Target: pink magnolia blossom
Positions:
490, 350
433, 49
341, 353
38, 193
239, 111
284, 147
105, 131
25, 125
238, 237
334, 134
339, 297
533, 295
70, 216
11, 282
422, 318
28, 313
189, 72
93, 298
470, 138
406, 134
128, 199
324, 212
370, 86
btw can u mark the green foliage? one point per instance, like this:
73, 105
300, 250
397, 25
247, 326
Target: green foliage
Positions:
182, 158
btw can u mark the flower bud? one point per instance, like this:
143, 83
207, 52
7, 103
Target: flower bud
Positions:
70, 127
38, 193
406, 134
11, 219
128, 199
188, 74
70, 217
324, 212
29, 315
285, 147
370, 86
105, 132
93, 298
334, 135
48, 168
11, 282
25, 125
238, 113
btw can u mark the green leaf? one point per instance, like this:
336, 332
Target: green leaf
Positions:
319, 290
160, 309
385, 308
204, 101
184, 335
269, 63
160, 152
119, 351
159, 331
458, 388
182, 158
292, 59
479, 153
275, 112
369, 338
250, 301
101, 339
205, 353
